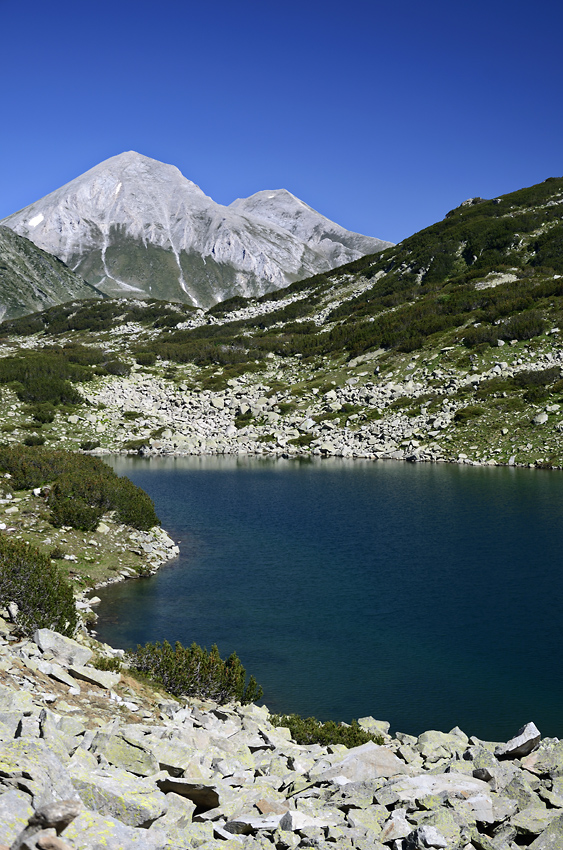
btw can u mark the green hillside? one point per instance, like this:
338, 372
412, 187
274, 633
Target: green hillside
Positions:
32, 279
447, 344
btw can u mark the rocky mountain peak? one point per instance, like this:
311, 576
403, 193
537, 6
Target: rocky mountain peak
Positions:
132, 225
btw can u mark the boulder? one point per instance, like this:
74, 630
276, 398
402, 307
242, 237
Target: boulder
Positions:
295, 821
551, 838
526, 739
116, 793
15, 811
368, 761
249, 824
204, 796
92, 830
532, 821
65, 650
426, 836
125, 754
102, 678
396, 827
33, 767
444, 785
546, 760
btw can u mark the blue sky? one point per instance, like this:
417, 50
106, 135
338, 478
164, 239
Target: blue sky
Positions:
381, 116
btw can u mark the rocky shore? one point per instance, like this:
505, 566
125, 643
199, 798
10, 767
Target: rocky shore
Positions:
357, 419
93, 759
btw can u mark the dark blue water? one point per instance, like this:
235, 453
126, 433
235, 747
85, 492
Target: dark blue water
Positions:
427, 595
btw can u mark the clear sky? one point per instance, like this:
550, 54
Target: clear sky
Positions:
382, 116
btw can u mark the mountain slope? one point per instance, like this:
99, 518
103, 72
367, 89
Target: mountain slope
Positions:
447, 347
135, 227
32, 279
281, 208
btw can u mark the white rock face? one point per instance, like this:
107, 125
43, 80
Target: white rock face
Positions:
281, 208
135, 226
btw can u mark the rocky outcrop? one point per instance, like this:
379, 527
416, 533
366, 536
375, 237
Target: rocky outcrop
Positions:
105, 765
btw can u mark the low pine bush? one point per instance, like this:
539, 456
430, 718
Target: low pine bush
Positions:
193, 671
466, 414
79, 500
145, 358
312, 731
43, 595
83, 487
43, 412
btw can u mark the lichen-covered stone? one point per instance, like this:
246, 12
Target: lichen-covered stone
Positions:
125, 754
15, 811
90, 831
120, 795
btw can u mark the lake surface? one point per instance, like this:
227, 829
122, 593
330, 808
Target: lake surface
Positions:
427, 595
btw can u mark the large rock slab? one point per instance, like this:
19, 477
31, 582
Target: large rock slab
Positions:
33, 767
174, 756
118, 794
204, 796
125, 754
533, 821
546, 760
294, 821
19, 701
444, 785
102, 678
551, 838
65, 650
369, 761
92, 831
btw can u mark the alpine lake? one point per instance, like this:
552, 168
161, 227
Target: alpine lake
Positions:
429, 595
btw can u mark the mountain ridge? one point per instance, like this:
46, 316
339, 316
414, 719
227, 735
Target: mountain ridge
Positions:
32, 279
135, 227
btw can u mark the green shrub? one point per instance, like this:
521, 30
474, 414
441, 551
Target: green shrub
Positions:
535, 395
79, 500
43, 412
145, 358
136, 445
117, 367
243, 419
302, 440
44, 597
131, 414
83, 487
193, 671
134, 506
89, 445
312, 731
112, 665
538, 378
33, 440
45, 376
467, 413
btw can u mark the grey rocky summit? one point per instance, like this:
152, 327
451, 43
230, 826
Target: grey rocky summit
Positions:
136, 227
